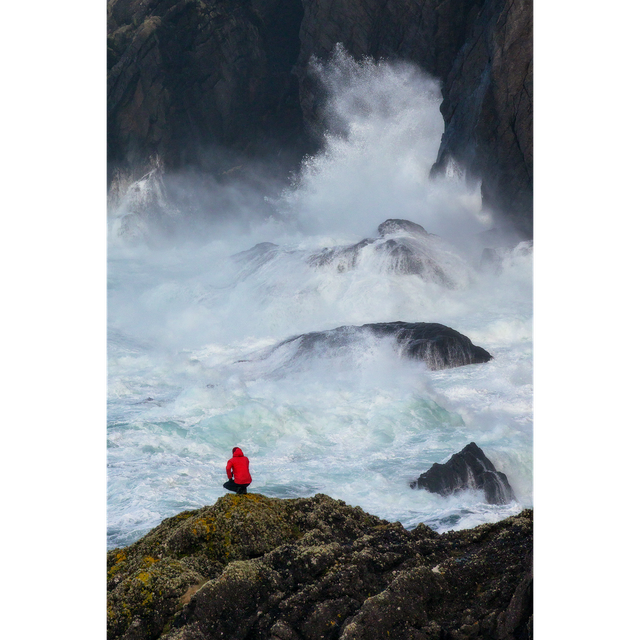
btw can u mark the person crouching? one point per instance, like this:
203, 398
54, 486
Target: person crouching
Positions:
238, 472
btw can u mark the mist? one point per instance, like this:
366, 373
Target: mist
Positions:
208, 272
383, 133
382, 130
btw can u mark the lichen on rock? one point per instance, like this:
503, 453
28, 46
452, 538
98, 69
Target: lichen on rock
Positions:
312, 568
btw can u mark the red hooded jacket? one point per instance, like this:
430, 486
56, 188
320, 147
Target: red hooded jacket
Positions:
238, 467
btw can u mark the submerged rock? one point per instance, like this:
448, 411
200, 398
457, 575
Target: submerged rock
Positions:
397, 225
468, 469
258, 251
494, 259
252, 259
311, 568
403, 247
440, 347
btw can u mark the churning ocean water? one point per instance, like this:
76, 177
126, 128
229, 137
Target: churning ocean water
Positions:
192, 322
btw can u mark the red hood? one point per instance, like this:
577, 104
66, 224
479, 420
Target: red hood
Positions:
238, 453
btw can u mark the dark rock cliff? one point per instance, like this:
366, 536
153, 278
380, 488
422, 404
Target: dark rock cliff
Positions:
312, 568
488, 108
185, 75
188, 74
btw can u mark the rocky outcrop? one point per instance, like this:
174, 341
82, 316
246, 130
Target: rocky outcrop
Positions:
187, 75
311, 568
468, 469
402, 248
438, 346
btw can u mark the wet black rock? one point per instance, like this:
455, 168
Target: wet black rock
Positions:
397, 225
402, 247
468, 469
186, 76
439, 346
312, 568
411, 251
341, 258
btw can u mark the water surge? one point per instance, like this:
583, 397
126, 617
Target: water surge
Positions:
193, 323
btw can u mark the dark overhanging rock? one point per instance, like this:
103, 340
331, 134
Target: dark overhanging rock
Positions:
441, 347
468, 469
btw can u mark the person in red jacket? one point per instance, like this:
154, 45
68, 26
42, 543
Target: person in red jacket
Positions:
238, 472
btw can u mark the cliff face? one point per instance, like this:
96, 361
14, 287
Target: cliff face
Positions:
488, 108
187, 74
312, 568
184, 75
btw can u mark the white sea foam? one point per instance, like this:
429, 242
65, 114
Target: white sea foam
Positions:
358, 423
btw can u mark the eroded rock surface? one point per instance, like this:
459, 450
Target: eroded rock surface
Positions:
311, 568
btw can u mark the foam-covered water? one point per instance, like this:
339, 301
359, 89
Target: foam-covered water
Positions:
190, 324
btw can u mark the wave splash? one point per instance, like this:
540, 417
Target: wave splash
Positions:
360, 422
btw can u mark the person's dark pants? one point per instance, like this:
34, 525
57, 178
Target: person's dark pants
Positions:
234, 486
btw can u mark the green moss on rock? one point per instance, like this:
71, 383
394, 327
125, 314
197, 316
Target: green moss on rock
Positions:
252, 566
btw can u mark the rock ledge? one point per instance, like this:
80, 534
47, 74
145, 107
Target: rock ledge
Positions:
310, 568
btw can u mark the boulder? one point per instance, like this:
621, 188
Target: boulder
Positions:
337, 573
402, 247
397, 225
468, 469
439, 346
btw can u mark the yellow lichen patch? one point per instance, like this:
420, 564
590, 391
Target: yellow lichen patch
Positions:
144, 577
147, 561
244, 501
253, 497
120, 559
203, 527
121, 556
148, 598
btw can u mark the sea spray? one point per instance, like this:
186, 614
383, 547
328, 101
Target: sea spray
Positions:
383, 133
358, 424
